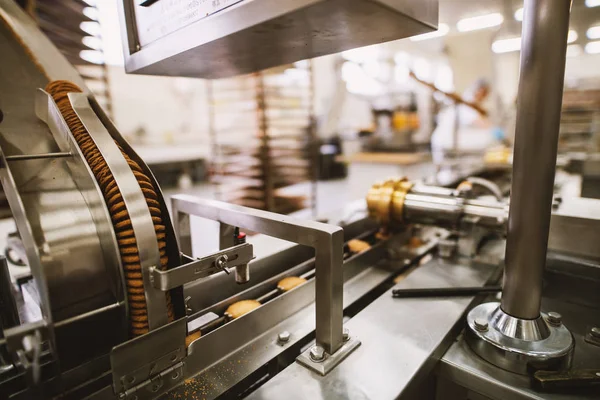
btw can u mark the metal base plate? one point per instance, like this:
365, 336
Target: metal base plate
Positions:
513, 351
330, 361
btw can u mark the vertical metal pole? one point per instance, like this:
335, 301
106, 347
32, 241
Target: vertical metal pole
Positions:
183, 229
543, 54
329, 293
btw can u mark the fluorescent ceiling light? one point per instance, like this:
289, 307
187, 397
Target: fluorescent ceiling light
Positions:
92, 56
443, 29
592, 3
592, 47
479, 22
574, 50
593, 32
514, 44
519, 14
91, 27
92, 42
91, 13
506, 45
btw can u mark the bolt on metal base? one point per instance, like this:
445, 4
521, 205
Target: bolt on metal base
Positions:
519, 345
319, 361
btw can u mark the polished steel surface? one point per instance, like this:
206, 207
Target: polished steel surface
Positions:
522, 329
518, 345
135, 203
401, 341
176, 39
327, 240
543, 54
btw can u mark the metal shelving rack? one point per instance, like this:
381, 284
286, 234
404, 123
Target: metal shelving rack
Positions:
263, 139
61, 22
580, 121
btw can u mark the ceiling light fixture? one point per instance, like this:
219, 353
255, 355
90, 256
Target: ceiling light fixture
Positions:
592, 47
592, 3
519, 14
514, 44
593, 32
479, 22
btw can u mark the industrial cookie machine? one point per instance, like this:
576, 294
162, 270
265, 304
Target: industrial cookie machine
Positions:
385, 300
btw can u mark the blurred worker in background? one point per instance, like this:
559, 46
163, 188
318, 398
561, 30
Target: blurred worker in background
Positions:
462, 129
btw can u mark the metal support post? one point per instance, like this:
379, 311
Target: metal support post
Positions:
515, 336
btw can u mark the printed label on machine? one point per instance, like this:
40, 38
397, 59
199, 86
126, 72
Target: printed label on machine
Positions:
166, 16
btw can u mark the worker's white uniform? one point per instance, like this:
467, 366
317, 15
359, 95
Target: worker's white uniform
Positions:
472, 136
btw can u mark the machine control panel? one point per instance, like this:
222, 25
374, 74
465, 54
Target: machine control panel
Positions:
157, 18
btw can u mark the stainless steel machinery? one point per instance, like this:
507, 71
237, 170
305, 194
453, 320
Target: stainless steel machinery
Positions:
388, 299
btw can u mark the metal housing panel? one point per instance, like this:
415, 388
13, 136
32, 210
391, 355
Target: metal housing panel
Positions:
251, 35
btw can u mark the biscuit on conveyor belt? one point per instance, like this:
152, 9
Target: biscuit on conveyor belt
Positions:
240, 308
121, 220
191, 337
287, 284
357, 246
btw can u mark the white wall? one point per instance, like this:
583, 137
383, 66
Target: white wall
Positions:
170, 110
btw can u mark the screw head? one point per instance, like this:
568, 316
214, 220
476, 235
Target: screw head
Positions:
175, 375
221, 263
131, 379
554, 318
481, 324
317, 353
283, 337
346, 334
595, 332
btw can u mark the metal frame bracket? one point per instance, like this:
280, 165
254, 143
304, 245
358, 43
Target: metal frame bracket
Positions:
203, 267
327, 240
